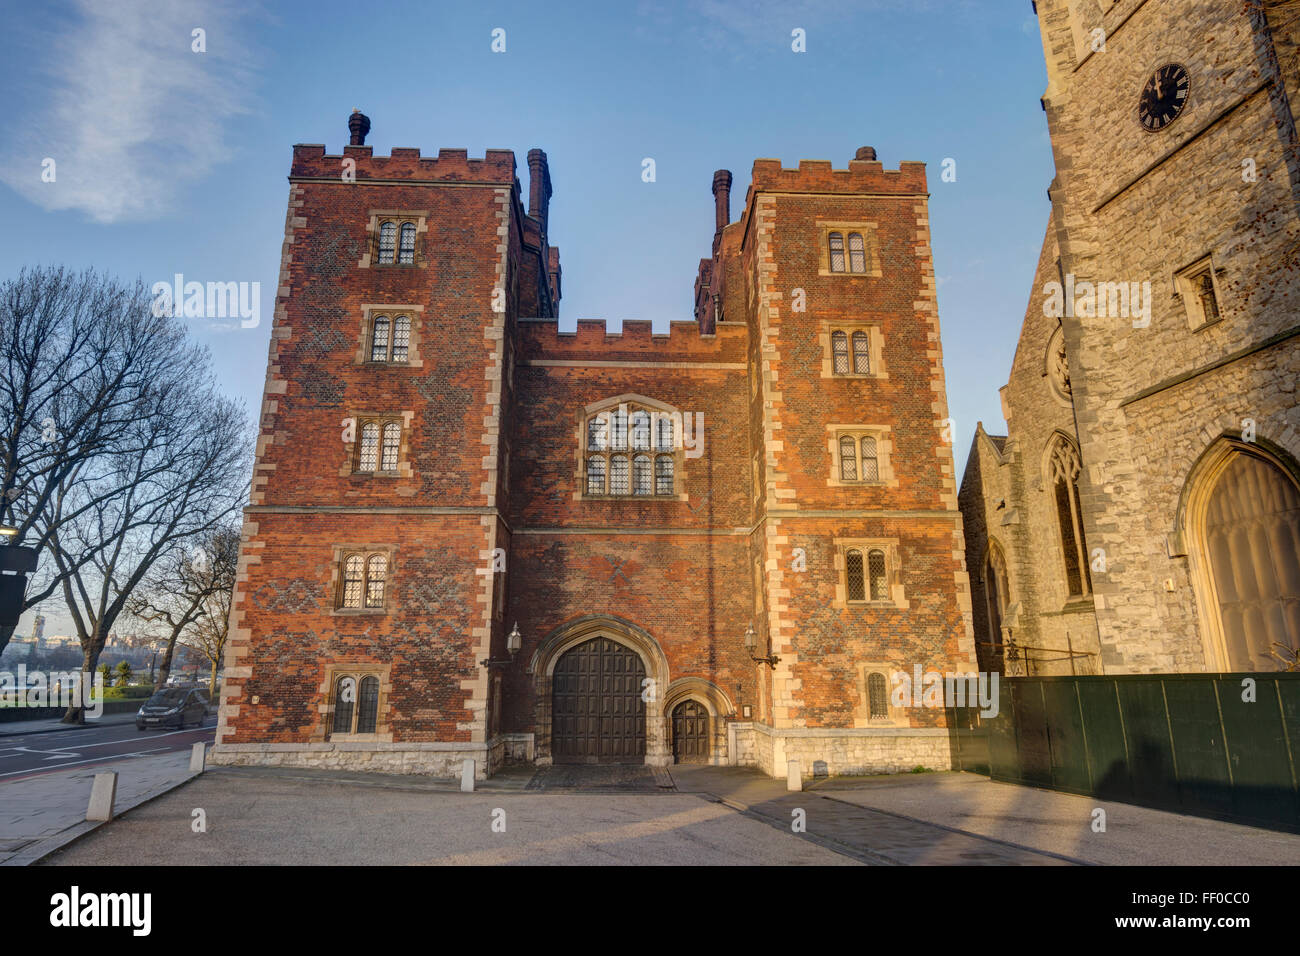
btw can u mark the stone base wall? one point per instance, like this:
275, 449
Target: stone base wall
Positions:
843, 752
434, 760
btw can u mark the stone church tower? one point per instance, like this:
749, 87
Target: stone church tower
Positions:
1175, 245
474, 536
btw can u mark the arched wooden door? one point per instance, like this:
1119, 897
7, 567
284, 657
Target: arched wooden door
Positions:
597, 715
690, 732
1252, 542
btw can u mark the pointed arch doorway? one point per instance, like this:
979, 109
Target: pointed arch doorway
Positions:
1243, 519
599, 682
598, 715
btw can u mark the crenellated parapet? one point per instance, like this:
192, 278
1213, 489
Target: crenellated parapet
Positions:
310, 161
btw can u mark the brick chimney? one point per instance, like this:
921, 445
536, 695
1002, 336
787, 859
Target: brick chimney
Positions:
539, 186
721, 200
866, 152
358, 126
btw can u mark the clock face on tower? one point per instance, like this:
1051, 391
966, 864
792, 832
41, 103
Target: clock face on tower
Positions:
1163, 97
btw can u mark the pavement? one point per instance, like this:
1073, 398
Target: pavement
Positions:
1051, 821
42, 812
47, 769
627, 816
617, 815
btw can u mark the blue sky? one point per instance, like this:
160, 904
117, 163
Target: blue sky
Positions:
173, 161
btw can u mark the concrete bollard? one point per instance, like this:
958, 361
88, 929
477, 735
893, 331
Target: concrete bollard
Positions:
102, 795
198, 757
467, 776
792, 779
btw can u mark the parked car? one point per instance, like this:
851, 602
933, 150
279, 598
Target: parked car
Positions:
172, 707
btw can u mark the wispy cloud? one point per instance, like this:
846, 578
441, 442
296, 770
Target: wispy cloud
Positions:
127, 110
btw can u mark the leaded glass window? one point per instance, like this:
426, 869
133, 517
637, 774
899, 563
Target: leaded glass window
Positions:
840, 352
857, 253
369, 453
642, 478
877, 696
392, 445
876, 573
406, 252
387, 242
861, 353
664, 475
836, 241
853, 573
379, 340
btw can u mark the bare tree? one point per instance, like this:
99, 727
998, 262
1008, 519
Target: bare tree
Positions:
209, 631
179, 473
81, 359
184, 587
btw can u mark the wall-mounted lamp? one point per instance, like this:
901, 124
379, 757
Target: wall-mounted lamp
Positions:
514, 641
751, 641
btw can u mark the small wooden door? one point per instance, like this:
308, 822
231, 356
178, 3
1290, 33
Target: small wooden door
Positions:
690, 732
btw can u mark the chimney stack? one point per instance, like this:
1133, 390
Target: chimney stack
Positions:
721, 200
867, 153
539, 186
358, 126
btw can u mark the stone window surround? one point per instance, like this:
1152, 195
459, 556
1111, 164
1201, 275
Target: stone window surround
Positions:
678, 453
339, 669
1073, 601
371, 257
876, 341
897, 717
884, 454
336, 579
368, 313
870, 242
1060, 392
353, 448
893, 573
1184, 291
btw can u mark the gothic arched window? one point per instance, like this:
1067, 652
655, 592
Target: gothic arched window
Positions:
623, 427
406, 250
401, 338
345, 696
840, 352
861, 353
853, 572
379, 340
857, 253
368, 455
877, 696
836, 241
1064, 471
876, 574
387, 242
368, 705
372, 456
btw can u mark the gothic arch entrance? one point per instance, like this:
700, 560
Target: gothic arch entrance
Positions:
1243, 523
597, 712
690, 726
584, 674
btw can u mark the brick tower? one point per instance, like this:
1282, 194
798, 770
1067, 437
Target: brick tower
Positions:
474, 536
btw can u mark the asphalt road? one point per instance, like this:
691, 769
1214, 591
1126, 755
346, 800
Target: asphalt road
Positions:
33, 754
